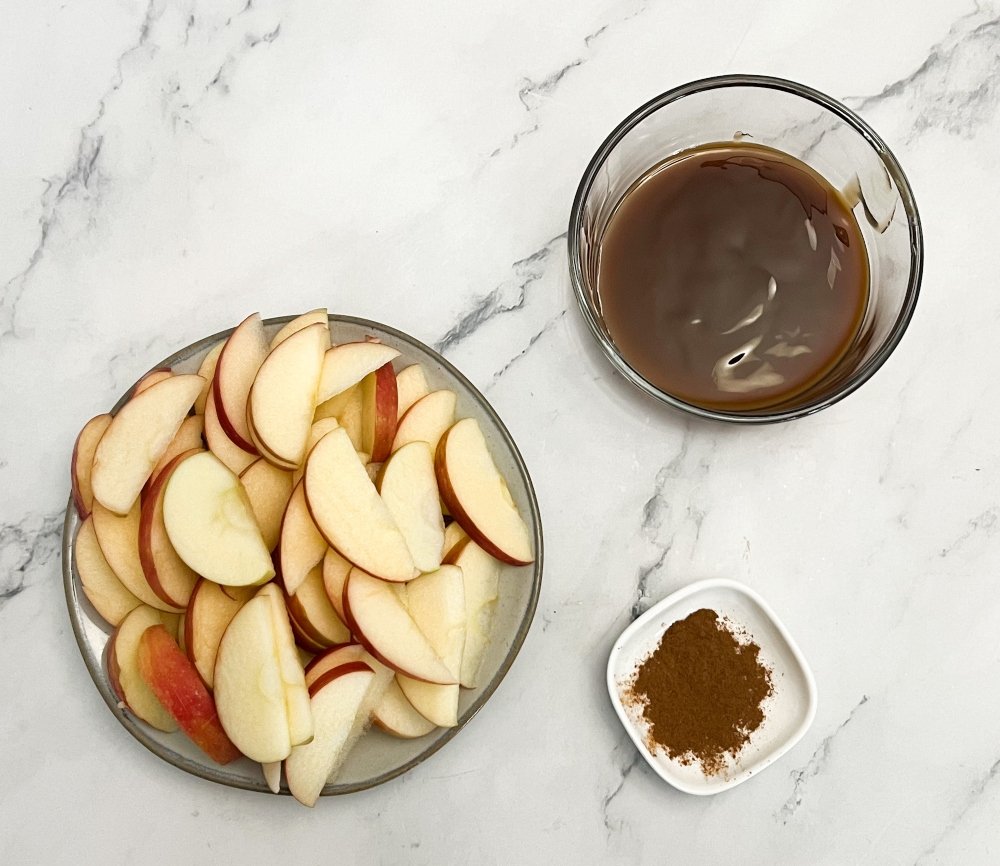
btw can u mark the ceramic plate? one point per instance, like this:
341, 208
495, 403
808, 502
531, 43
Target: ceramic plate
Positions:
788, 712
377, 757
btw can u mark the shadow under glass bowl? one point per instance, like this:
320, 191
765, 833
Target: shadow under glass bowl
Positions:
799, 121
378, 757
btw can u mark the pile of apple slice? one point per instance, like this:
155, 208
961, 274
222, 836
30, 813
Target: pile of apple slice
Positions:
292, 544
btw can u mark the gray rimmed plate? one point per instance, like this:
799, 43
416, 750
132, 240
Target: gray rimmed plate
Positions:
378, 757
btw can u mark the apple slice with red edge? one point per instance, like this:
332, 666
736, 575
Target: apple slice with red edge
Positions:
118, 538
283, 396
347, 510
341, 700
481, 579
179, 689
381, 622
100, 584
436, 602
209, 612
411, 385
318, 430
150, 379
312, 609
300, 323
211, 524
347, 364
269, 489
235, 371
408, 487
476, 494
235, 458
453, 534
165, 572
301, 546
427, 420
397, 716
335, 571
249, 690
82, 463
378, 413
303, 637
136, 439
189, 436
122, 657
207, 371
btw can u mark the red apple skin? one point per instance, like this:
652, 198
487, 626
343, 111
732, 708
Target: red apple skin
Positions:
315, 660
74, 474
303, 636
459, 513
114, 670
334, 673
220, 405
386, 412
177, 685
151, 510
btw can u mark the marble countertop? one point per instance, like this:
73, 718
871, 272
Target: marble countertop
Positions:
168, 167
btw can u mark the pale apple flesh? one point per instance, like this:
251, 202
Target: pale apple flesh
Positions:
301, 546
411, 385
268, 488
219, 443
210, 610
211, 524
335, 406
178, 687
397, 717
272, 775
149, 380
235, 371
481, 580
427, 420
347, 364
100, 584
312, 609
408, 488
137, 438
335, 571
207, 371
82, 462
299, 323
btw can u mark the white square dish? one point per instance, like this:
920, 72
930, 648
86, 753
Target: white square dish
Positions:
788, 711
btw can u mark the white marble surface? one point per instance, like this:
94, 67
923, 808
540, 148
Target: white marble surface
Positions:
168, 167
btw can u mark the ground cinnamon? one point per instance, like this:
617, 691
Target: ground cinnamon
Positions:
701, 691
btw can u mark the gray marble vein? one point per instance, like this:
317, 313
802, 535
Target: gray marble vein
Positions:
546, 328
27, 548
983, 524
81, 179
507, 297
813, 767
626, 759
955, 88
984, 781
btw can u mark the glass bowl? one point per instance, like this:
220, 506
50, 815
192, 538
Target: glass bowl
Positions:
805, 124
378, 757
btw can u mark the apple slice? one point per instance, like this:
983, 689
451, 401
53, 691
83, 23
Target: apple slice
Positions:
165, 572
210, 610
311, 608
409, 490
123, 667
396, 716
220, 444
83, 462
411, 385
481, 578
118, 538
150, 379
453, 534
300, 721
304, 642
427, 420
177, 686
207, 372
272, 775
235, 371
249, 691
477, 496
300, 323
436, 601
335, 571
350, 417
333, 407
347, 364
102, 587
318, 430
268, 489
378, 412
302, 546
350, 514
189, 436
136, 439
211, 525
341, 702
377, 617
283, 396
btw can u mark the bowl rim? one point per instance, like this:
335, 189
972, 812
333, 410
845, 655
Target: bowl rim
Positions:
216, 773
670, 600
889, 161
